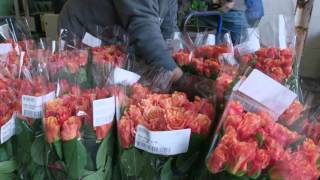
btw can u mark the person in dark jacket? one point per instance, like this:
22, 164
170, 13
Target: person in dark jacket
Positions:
148, 22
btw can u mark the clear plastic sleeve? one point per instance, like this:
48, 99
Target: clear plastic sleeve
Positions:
112, 53
203, 59
70, 65
271, 49
82, 120
147, 123
250, 142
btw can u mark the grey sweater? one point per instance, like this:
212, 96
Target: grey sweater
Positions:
148, 22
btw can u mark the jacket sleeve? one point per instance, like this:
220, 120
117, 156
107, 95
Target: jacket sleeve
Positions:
170, 24
141, 20
69, 19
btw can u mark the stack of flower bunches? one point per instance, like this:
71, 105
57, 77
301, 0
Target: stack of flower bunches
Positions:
203, 61
161, 113
254, 145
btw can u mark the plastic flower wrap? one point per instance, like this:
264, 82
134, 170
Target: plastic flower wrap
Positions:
253, 142
204, 61
227, 77
275, 62
271, 49
104, 60
7, 127
34, 87
203, 58
70, 65
147, 123
81, 120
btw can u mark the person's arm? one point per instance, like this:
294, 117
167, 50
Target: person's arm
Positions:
170, 24
142, 21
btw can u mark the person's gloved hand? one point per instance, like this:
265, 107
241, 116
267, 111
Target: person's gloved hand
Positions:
194, 85
177, 74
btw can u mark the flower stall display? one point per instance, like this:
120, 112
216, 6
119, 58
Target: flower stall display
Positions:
160, 134
78, 126
255, 139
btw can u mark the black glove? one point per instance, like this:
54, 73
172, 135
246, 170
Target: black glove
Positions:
194, 85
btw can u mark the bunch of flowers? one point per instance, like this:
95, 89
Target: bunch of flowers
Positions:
73, 110
226, 76
109, 54
203, 61
70, 65
276, 63
253, 143
69, 121
7, 123
104, 60
161, 113
10, 63
292, 114
8, 101
311, 126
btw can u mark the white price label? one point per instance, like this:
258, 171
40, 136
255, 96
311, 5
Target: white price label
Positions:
162, 142
32, 106
282, 32
103, 111
5, 48
91, 41
8, 129
267, 92
125, 77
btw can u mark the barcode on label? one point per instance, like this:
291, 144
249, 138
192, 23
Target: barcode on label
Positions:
32, 106
152, 149
7, 130
29, 99
162, 142
250, 106
32, 114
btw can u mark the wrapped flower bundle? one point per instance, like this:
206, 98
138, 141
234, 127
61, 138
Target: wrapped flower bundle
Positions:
203, 61
153, 116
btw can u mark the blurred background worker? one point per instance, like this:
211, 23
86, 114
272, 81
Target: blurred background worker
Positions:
148, 22
237, 16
